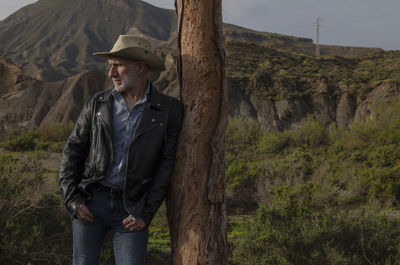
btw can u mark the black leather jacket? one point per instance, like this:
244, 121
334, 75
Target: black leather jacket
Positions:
88, 153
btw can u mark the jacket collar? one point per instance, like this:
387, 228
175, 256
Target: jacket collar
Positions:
155, 98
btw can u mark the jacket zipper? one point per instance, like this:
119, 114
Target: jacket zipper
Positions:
98, 133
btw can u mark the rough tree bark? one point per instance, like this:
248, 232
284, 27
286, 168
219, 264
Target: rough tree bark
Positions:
196, 201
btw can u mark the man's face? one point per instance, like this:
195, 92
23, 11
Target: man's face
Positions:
122, 72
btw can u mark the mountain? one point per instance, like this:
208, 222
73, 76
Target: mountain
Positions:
54, 39
272, 78
59, 36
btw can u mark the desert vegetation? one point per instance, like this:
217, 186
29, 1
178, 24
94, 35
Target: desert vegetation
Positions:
315, 195
276, 72
312, 195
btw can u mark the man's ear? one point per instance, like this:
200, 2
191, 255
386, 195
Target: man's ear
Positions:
142, 68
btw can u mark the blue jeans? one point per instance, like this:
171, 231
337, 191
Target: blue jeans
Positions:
109, 211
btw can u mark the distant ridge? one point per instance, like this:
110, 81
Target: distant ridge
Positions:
54, 39
299, 44
272, 78
63, 34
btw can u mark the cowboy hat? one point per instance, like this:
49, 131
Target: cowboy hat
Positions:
134, 48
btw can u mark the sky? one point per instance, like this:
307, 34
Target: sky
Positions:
365, 23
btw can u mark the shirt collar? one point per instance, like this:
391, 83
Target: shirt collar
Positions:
119, 98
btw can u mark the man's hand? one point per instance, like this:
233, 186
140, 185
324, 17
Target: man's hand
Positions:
84, 214
131, 225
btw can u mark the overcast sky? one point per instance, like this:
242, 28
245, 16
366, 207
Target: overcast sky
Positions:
367, 23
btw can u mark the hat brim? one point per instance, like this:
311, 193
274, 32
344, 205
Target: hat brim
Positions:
138, 54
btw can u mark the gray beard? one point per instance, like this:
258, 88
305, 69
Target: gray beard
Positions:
123, 87
127, 82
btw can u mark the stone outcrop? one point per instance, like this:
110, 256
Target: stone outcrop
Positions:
382, 94
27, 103
278, 115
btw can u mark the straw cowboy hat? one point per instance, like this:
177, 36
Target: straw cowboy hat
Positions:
134, 48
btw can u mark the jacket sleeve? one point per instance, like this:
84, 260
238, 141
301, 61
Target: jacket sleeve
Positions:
73, 161
160, 182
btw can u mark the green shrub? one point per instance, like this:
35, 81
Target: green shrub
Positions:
56, 147
385, 156
273, 142
334, 133
310, 134
297, 165
360, 135
242, 131
240, 172
24, 141
43, 146
56, 132
34, 227
381, 184
50, 137
310, 224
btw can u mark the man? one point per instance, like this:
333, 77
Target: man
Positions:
116, 164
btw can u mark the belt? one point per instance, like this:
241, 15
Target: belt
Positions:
115, 192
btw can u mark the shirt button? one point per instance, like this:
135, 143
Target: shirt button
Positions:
153, 120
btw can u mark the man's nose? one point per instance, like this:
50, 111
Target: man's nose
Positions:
112, 72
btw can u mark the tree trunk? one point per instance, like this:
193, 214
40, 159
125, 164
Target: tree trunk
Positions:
196, 201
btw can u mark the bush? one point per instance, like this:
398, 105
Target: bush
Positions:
43, 146
34, 228
243, 131
273, 143
360, 135
310, 224
380, 184
24, 141
56, 147
56, 132
50, 137
310, 134
297, 166
240, 173
385, 156
334, 133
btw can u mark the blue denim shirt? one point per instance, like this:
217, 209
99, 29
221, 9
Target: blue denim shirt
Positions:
124, 126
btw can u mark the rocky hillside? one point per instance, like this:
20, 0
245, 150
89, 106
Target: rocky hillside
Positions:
280, 87
275, 86
27, 103
272, 78
58, 37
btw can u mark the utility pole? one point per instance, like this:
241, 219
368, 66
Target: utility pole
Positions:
317, 48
